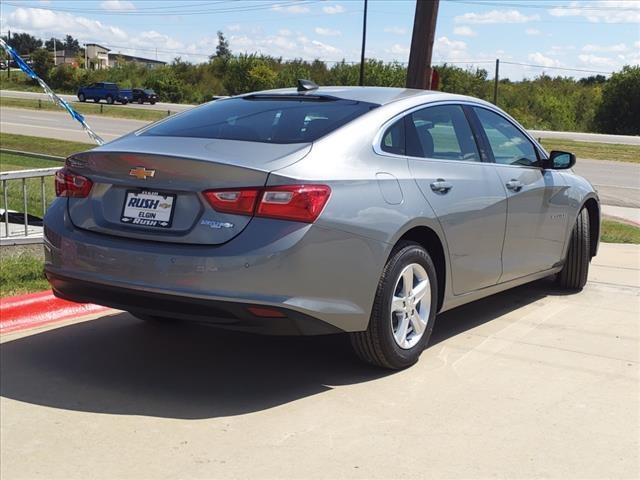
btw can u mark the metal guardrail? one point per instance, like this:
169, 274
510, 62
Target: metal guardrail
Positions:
12, 232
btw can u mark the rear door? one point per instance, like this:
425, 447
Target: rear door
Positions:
537, 216
464, 192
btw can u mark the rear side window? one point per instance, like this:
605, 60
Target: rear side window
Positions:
440, 132
509, 145
393, 139
264, 119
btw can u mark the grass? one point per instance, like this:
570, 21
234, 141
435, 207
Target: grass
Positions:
21, 274
48, 146
595, 151
619, 232
117, 111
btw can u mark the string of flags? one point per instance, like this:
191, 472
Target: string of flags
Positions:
50, 93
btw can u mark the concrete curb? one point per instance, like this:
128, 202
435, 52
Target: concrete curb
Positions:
42, 308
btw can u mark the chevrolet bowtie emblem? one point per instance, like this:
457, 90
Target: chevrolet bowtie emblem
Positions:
141, 173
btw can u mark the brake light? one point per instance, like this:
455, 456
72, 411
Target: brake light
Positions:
241, 201
300, 203
70, 184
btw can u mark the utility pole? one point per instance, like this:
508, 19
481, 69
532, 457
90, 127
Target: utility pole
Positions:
364, 41
496, 79
55, 53
424, 31
9, 57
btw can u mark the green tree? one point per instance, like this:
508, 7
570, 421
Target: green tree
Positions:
50, 43
71, 44
222, 50
42, 62
619, 111
23, 43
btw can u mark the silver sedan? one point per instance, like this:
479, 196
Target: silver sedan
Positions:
313, 210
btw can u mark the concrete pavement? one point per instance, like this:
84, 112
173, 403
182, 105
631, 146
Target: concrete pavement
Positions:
631, 215
587, 137
530, 383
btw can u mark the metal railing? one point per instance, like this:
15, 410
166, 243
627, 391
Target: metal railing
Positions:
9, 230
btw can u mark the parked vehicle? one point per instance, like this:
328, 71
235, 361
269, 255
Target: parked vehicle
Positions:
364, 210
109, 92
142, 95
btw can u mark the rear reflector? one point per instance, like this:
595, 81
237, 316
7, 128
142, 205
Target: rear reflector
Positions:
300, 203
266, 312
69, 184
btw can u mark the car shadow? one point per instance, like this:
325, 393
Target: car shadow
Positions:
120, 365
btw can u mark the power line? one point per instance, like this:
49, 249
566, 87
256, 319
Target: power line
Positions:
556, 68
546, 6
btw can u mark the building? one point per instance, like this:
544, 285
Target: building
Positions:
116, 59
67, 57
97, 56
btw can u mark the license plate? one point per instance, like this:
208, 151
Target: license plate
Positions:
148, 209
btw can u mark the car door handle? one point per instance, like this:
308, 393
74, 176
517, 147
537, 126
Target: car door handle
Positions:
441, 186
514, 185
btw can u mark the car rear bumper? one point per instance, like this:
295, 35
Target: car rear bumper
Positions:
318, 273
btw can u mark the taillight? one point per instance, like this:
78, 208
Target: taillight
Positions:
69, 184
300, 203
241, 201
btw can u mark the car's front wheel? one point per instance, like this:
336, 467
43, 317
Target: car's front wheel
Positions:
573, 275
403, 312
109, 99
81, 97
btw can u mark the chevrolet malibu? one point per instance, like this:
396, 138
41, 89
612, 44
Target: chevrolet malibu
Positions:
310, 211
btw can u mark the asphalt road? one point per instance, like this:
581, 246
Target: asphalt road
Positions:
174, 107
530, 383
618, 182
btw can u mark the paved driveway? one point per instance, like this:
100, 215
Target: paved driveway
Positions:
528, 383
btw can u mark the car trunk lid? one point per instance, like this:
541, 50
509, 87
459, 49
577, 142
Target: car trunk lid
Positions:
150, 188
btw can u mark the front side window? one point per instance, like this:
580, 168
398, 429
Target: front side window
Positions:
440, 132
268, 119
509, 145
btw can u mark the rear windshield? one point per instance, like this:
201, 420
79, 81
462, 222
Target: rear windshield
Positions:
264, 119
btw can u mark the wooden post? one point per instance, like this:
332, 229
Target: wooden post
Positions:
364, 41
424, 30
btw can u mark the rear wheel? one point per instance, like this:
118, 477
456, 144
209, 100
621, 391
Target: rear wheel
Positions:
140, 101
109, 99
403, 312
125, 101
96, 100
573, 275
152, 102
82, 98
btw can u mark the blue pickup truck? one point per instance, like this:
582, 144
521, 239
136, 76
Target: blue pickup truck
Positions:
110, 92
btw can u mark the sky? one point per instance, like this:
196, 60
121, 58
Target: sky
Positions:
558, 37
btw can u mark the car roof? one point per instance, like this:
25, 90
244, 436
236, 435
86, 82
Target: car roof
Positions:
378, 95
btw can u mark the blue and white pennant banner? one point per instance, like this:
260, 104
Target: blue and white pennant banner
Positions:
54, 98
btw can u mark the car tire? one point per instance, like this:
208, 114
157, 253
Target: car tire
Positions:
140, 101
82, 98
109, 99
380, 344
573, 275
96, 100
152, 102
125, 101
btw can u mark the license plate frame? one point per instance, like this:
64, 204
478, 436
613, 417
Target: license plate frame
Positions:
127, 218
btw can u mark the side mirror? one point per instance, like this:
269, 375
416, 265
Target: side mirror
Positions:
560, 160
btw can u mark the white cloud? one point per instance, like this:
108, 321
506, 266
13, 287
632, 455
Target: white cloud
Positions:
532, 32
284, 46
333, 9
449, 50
400, 50
637, 44
620, 47
607, 11
327, 32
539, 59
464, 31
285, 32
591, 60
396, 30
117, 5
233, 28
496, 16
294, 9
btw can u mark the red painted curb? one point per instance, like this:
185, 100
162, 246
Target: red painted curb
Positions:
37, 309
